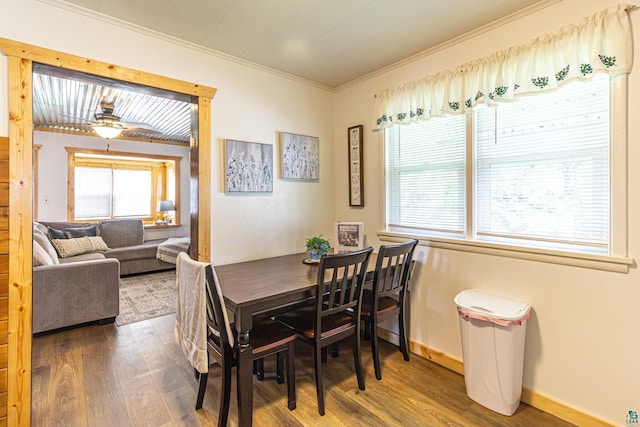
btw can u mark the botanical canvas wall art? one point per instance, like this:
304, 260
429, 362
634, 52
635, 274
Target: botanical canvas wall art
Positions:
300, 157
249, 167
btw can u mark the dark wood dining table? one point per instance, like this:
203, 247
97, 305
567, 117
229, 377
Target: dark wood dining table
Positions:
263, 287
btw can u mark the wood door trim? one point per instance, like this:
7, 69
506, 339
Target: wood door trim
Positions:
20, 65
20, 246
103, 69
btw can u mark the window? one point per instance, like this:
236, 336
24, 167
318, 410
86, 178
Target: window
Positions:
542, 168
120, 185
426, 176
535, 172
92, 192
112, 193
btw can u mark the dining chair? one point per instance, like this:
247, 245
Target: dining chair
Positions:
388, 296
268, 337
338, 288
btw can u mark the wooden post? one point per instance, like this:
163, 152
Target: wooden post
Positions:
20, 241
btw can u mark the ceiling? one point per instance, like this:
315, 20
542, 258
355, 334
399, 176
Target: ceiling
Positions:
330, 42
327, 42
68, 101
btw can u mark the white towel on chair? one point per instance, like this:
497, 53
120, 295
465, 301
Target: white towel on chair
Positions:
191, 315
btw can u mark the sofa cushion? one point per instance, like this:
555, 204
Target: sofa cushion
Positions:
42, 239
74, 232
80, 245
54, 233
40, 255
120, 233
89, 256
133, 252
61, 225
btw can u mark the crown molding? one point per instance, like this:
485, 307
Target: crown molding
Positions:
183, 43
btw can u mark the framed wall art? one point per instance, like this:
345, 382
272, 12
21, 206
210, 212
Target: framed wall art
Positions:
356, 181
248, 167
300, 157
349, 236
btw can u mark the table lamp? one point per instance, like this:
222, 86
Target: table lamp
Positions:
165, 206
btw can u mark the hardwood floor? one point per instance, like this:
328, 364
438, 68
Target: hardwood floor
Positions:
136, 375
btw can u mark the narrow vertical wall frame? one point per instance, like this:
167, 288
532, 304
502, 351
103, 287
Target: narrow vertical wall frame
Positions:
356, 170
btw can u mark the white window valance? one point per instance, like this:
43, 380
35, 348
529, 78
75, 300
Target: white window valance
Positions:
601, 43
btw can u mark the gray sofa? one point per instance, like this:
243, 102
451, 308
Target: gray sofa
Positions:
77, 269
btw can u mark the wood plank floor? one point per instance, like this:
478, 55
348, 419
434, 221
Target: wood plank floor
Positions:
135, 375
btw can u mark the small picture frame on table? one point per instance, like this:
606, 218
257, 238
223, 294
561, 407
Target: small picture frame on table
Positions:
348, 237
356, 170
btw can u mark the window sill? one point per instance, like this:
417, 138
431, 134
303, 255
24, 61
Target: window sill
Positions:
147, 226
616, 264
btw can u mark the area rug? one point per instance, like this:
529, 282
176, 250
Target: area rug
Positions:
146, 296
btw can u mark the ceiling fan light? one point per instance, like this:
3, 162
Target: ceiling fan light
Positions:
107, 130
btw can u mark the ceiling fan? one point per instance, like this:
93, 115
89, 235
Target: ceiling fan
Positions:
108, 125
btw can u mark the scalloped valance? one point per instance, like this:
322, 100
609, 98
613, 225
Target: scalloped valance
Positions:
601, 43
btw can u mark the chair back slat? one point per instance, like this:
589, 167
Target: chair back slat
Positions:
392, 268
216, 310
339, 284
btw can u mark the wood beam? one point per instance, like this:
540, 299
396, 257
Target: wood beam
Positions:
204, 179
104, 69
20, 241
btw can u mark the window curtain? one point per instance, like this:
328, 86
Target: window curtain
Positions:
601, 43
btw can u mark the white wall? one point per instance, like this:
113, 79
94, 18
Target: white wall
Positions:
583, 339
251, 105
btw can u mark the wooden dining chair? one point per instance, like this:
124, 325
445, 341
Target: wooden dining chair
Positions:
268, 337
388, 296
338, 288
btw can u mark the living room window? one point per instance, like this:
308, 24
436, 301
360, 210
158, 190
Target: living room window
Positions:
535, 173
120, 185
112, 192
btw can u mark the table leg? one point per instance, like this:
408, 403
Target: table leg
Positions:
245, 380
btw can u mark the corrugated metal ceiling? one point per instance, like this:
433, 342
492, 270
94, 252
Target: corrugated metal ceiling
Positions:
69, 105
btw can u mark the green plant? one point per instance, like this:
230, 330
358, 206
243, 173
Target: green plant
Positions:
318, 243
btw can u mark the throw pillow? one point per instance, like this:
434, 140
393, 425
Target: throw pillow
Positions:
72, 247
42, 239
80, 231
40, 256
54, 233
97, 243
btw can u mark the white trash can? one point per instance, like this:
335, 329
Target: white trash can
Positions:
492, 329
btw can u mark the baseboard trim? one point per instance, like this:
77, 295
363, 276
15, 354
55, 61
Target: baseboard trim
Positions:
530, 397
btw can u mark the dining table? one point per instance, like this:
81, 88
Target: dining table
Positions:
262, 288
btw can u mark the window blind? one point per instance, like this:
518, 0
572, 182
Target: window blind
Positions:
425, 175
542, 168
92, 193
106, 192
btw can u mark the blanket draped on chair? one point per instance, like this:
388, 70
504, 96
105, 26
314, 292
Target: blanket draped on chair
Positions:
191, 314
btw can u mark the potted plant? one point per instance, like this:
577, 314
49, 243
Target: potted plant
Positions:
317, 246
